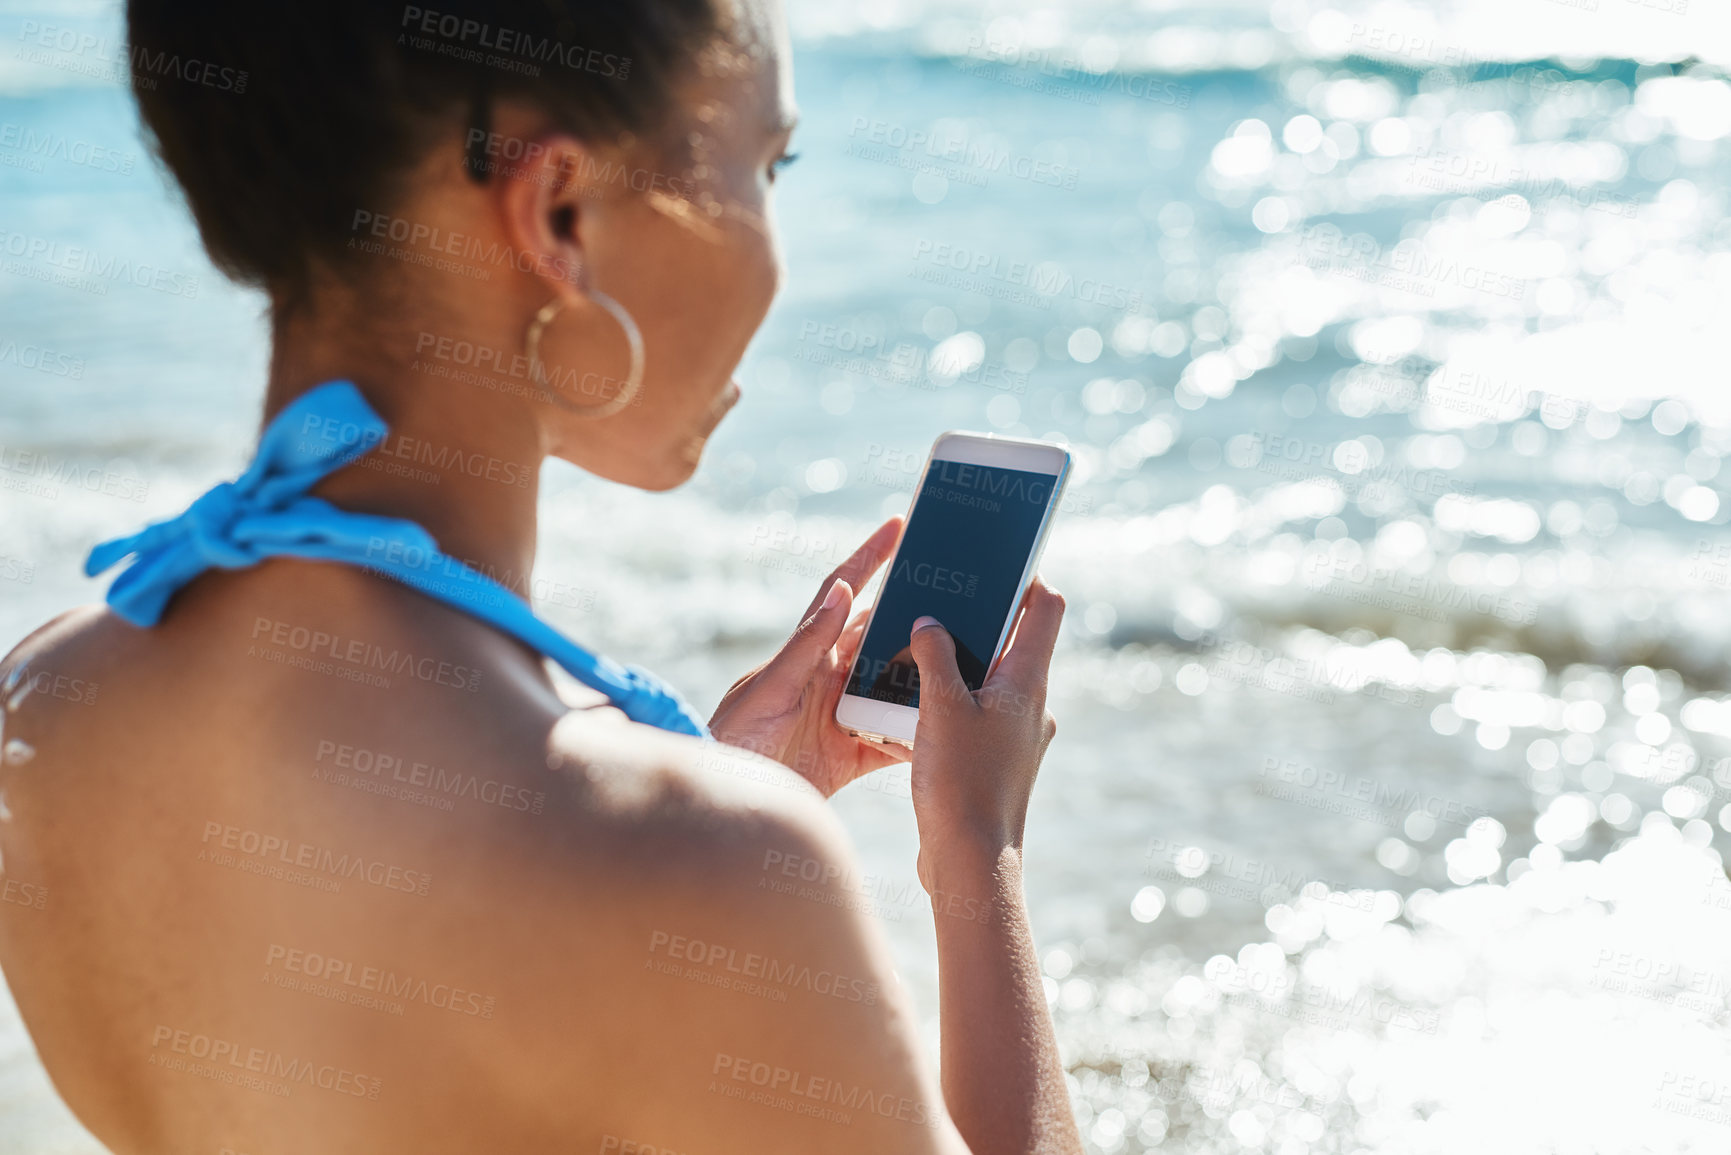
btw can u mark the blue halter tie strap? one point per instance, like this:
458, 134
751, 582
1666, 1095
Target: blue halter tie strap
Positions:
266, 513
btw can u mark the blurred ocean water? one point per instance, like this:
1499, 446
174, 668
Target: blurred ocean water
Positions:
1389, 805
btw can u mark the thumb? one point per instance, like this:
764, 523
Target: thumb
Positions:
934, 652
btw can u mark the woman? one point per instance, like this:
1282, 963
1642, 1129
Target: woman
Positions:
335, 867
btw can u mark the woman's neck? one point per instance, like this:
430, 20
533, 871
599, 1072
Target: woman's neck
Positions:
461, 460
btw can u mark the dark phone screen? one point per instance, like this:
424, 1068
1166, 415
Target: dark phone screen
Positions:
961, 558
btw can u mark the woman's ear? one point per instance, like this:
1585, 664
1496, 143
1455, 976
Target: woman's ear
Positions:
540, 198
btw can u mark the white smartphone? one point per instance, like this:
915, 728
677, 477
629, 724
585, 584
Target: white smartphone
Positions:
968, 551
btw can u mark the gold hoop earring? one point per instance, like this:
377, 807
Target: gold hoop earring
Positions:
633, 337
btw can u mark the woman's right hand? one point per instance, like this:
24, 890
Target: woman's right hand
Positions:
976, 753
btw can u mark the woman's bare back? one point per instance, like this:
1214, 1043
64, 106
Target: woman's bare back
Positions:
321, 865
318, 864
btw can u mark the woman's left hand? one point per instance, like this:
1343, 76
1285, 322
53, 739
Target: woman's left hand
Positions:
785, 709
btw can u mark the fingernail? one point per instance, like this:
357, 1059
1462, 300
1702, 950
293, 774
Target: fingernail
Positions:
833, 599
922, 623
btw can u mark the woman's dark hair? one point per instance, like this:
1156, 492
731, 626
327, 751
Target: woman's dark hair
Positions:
284, 119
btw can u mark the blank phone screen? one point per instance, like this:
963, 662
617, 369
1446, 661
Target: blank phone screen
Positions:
967, 541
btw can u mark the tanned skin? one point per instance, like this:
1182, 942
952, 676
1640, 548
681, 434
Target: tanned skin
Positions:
241, 915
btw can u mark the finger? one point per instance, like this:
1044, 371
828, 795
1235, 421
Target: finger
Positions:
816, 634
893, 753
847, 646
846, 649
863, 563
1030, 653
934, 652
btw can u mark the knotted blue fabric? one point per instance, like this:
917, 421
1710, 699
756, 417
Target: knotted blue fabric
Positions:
266, 513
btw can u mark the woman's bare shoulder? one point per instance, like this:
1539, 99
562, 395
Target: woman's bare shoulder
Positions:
63, 630
61, 660
725, 927
681, 800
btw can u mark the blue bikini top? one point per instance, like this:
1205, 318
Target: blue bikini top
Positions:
266, 513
